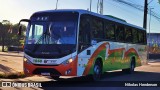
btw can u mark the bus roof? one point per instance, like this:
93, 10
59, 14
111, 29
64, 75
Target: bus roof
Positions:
81, 11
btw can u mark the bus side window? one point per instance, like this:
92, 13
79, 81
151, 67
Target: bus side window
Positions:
128, 35
135, 36
144, 38
140, 37
109, 31
120, 33
97, 28
84, 32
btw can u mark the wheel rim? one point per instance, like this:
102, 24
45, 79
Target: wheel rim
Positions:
132, 67
97, 72
96, 69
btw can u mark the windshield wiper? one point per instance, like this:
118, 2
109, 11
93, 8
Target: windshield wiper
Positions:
44, 35
36, 46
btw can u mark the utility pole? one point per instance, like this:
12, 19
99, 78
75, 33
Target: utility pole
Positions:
90, 5
145, 14
56, 4
101, 6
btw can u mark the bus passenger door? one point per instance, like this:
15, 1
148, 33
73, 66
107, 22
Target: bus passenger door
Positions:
84, 40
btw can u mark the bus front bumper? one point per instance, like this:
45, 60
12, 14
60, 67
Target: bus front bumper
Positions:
51, 70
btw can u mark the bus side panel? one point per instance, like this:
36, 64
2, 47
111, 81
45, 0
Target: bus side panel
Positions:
114, 56
142, 51
86, 62
138, 52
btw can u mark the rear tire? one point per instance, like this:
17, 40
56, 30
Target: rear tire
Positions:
97, 71
132, 66
55, 77
131, 69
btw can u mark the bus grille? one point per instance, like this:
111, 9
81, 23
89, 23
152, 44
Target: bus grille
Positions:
46, 70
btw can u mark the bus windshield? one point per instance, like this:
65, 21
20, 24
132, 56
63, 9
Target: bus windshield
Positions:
52, 33
61, 31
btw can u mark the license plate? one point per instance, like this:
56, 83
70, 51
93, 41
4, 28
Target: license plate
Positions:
45, 74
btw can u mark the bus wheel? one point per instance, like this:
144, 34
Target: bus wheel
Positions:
55, 77
131, 69
132, 66
97, 71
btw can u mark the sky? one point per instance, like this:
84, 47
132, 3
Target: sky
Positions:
15, 10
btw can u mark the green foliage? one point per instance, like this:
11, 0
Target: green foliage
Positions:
9, 34
21, 42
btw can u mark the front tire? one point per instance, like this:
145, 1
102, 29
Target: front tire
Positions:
97, 71
55, 77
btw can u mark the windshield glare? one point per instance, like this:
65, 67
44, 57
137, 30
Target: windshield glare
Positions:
61, 31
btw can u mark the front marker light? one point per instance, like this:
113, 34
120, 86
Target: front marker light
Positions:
26, 60
67, 61
70, 60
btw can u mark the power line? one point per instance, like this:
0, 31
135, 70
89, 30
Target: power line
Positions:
138, 7
119, 7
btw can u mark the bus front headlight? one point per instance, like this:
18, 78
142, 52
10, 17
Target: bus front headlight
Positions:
27, 60
68, 61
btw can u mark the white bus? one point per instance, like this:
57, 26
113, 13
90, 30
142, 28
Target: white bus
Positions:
79, 43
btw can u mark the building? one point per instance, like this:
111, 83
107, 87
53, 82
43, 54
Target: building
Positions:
153, 40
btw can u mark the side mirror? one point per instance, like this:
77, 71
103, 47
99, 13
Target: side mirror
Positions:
20, 26
20, 30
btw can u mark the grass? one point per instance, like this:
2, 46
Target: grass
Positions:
12, 75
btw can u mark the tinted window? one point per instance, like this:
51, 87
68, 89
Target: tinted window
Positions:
128, 35
97, 28
140, 37
109, 31
120, 33
53, 28
135, 36
84, 32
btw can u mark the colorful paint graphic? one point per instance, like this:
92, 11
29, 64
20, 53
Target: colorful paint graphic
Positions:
154, 43
112, 59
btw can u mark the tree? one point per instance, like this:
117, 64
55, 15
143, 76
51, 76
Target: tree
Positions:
8, 34
15, 35
5, 26
1, 32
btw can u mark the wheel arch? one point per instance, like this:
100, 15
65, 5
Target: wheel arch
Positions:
133, 59
100, 60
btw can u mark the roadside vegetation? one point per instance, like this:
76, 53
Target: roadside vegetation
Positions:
12, 75
9, 35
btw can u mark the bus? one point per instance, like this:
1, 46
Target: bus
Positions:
75, 42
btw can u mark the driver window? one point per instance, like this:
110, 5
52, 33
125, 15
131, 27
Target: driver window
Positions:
84, 32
